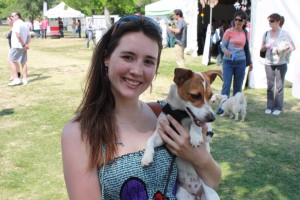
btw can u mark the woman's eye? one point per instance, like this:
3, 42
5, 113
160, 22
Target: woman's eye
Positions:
127, 57
196, 96
150, 62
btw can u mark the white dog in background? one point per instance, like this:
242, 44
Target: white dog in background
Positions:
232, 106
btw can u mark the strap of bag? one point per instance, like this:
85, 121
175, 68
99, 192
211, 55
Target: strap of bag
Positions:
156, 107
266, 36
246, 49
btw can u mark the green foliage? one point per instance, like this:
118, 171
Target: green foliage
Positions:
32, 9
29, 9
116, 7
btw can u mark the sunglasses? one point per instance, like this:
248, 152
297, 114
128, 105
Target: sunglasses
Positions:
137, 19
238, 20
271, 21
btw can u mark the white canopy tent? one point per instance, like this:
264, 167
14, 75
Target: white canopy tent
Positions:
163, 7
63, 11
190, 12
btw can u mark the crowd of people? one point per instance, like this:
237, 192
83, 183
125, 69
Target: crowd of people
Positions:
236, 58
232, 44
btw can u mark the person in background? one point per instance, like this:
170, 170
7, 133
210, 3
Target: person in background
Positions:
74, 24
234, 60
61, 27
90, 33
79, 28
44, 26
219, 35
103, 145
19, 45
170, 36
37, 28
278, 45
10, 22
163, 26
29, 24
180, 34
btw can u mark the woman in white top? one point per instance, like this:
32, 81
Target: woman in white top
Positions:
37, 28
278, 46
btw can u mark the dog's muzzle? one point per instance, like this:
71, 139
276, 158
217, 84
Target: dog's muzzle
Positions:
208, 118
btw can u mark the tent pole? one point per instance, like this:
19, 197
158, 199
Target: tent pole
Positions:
211, 27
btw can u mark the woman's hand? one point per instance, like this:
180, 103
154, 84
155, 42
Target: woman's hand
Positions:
180, 145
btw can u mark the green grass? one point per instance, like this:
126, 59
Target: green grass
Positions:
259, 158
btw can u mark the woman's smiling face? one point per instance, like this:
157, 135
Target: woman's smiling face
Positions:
132, 65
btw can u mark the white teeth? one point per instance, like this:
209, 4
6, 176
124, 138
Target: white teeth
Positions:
134, 83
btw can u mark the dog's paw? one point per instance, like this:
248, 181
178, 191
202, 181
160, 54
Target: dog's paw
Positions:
196, 139
146, 161
147, 157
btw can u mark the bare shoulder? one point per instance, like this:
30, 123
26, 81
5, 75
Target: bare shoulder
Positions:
71, 139
71, 132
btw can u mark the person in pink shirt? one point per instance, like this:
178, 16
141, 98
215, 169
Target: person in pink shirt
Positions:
234, 43
44, 26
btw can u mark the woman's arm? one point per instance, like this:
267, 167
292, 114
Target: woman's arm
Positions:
179, 144
225, 42
81, 183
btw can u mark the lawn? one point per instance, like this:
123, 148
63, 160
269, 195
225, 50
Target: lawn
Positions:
259, 157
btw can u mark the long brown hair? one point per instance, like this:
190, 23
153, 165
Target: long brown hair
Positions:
96, 111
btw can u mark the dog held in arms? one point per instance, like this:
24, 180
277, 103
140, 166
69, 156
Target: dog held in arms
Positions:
190, 94
232, 106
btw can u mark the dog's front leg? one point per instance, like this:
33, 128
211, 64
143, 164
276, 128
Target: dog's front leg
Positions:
154, 141
196, 135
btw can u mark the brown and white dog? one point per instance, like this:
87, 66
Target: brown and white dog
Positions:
190, 94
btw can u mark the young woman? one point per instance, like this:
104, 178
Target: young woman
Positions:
103, 145
279, 46
234, 60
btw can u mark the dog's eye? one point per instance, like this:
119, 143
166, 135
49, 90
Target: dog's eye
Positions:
196, 96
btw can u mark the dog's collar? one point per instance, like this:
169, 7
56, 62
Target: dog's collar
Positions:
210, 133
179, 115
224, 101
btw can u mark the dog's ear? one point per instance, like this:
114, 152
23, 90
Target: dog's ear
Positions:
181, 75
212, 74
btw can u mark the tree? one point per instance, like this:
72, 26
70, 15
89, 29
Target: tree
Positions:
28, 8
115, 7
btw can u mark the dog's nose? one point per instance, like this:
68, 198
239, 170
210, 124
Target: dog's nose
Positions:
210, 117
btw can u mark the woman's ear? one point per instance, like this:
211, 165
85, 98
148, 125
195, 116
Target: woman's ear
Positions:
106, 61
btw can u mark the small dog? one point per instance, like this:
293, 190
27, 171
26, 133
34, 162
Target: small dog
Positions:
232, 106
282, 49
190, 94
